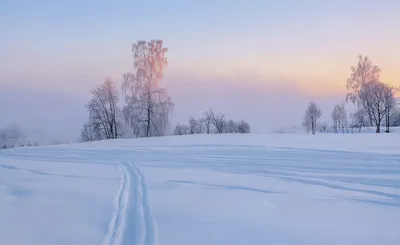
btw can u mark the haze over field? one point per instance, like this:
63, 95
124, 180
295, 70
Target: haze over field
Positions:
261, 62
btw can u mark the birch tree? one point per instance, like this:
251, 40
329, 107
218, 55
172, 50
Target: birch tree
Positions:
208, 121
312, 114
361, 74
148, 106
339, 118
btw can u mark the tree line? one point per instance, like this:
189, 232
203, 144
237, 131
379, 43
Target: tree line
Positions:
212, 123
374, 99
146, 104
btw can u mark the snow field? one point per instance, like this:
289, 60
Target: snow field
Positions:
204, 189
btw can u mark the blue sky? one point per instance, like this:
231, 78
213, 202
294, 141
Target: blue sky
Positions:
305, 46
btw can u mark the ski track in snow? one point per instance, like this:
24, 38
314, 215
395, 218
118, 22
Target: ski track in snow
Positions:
131, 198
371, 178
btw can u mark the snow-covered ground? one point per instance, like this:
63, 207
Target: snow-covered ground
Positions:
200, 190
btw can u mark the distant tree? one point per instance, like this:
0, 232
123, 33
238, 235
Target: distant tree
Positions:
212, 123
361, 74
312, 114
231, 126
323, 127
377, 99
218, 121
306, 124
193, 126
87, 133
181, 129
11, 136
339, 118
395, 117
335, 119
359, 119
148, 106
104, 112
202, 125
390, 104
243, 127
208, 121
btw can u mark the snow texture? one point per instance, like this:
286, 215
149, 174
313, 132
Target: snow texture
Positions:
204, 189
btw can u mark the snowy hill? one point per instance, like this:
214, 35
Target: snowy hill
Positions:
204, 189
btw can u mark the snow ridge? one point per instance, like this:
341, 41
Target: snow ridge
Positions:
132, 222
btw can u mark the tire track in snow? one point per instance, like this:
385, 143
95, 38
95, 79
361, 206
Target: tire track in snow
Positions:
132, 222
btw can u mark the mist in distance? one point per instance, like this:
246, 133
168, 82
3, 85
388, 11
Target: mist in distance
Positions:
261, 62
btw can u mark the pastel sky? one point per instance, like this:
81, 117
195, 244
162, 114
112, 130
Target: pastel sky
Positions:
258, 60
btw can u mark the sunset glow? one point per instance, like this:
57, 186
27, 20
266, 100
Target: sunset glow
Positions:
264, 49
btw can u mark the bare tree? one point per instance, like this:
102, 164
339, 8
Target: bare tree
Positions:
181, 129
359, 119
377, 99
104, 111
148, 105
231, 126
87, 133
390, 104
339, 118
208, 121
218, 121
193, 126
336, 118
312, 114
306, 123
212, 123
202, 125
243, 127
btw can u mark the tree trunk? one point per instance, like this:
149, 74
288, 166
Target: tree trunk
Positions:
378, 128
370, 120
387, 123
312, 127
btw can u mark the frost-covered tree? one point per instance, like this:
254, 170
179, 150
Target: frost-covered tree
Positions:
361, 74
311, 116
104, 111
11, 136
339, 118
243, 127
395, 119
181, 129
335, 119
148, 106
88, 133
212, 123
208, 121
359, 119
218, 121
231, 126
377, 99
306, 124
195, 126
